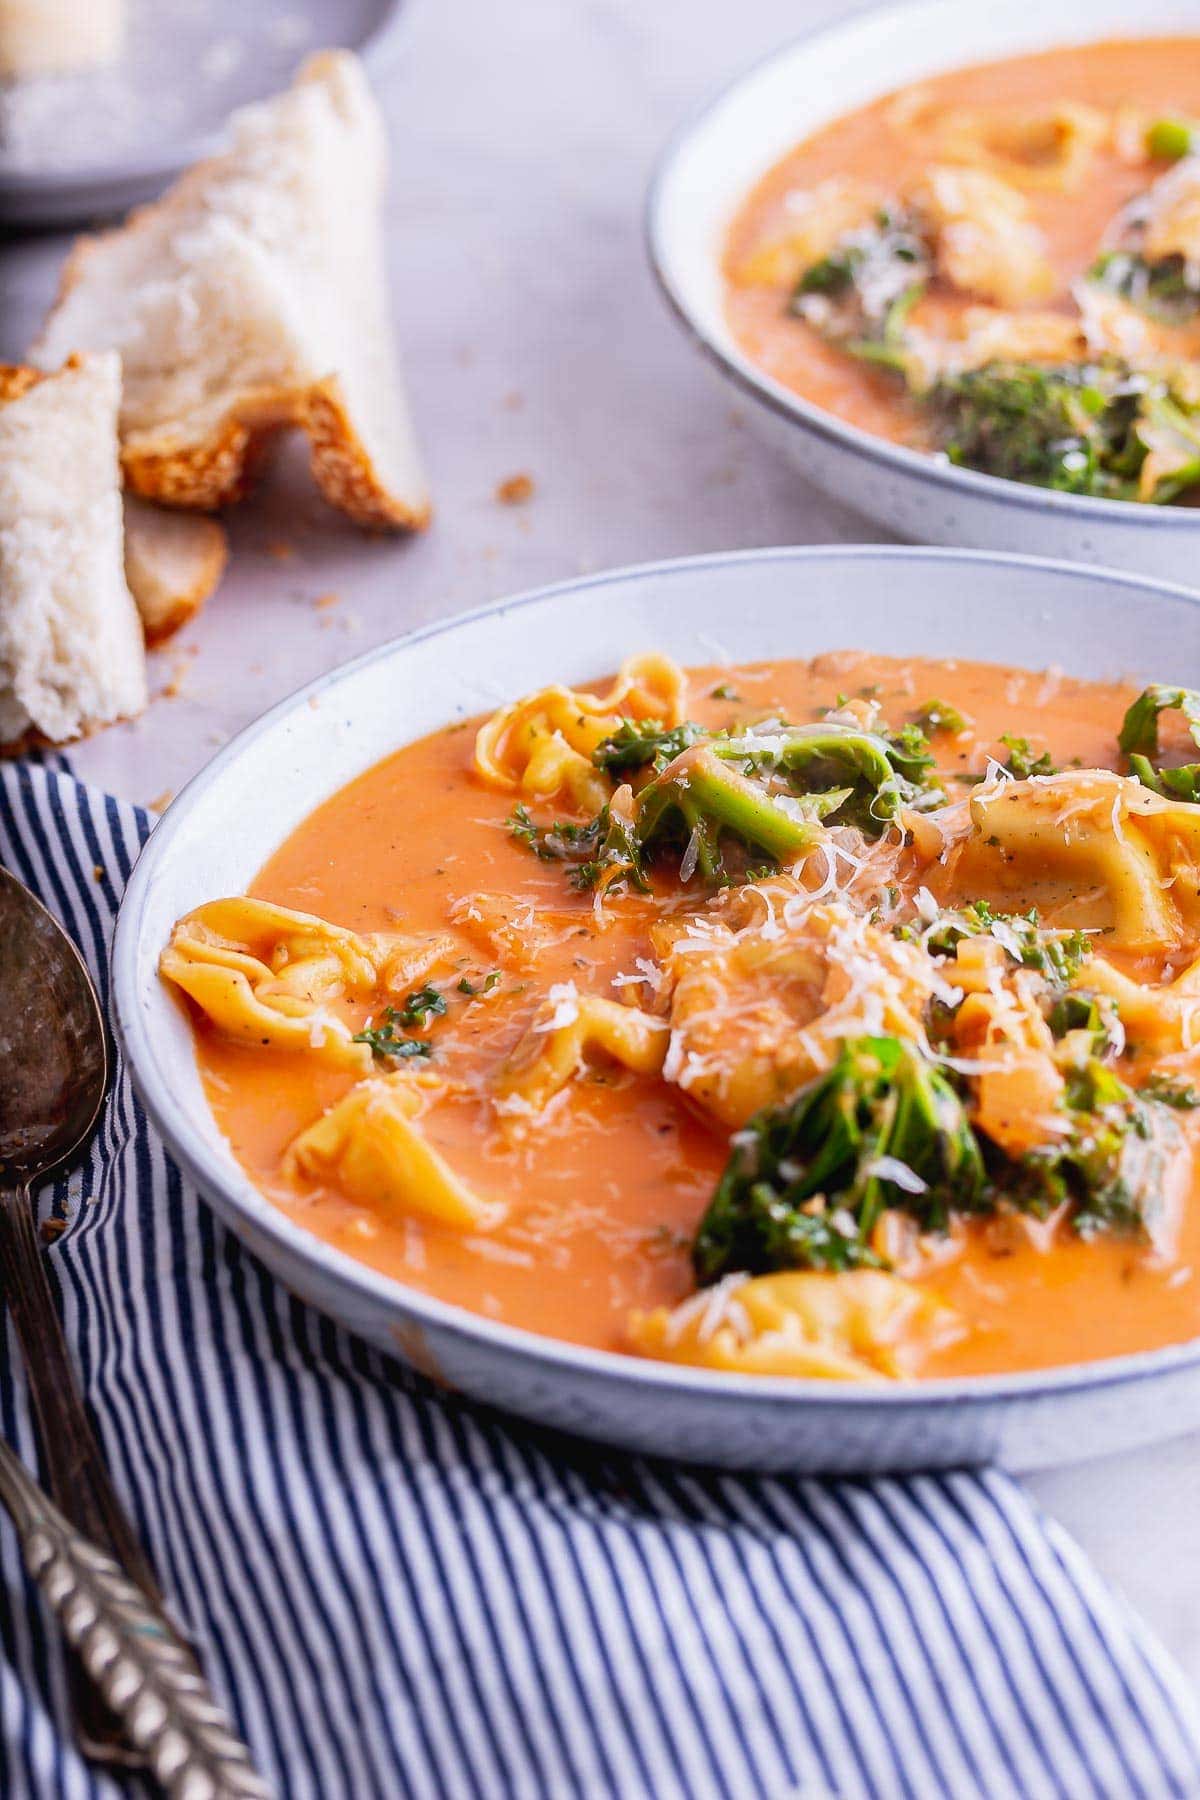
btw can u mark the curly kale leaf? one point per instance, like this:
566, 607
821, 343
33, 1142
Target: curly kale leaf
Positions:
598, 845
1021, 760
860, 295
807, 1181
1054, 952
638, 743
876, 773
1111, 1165
1166, 289
939, 715
1090, 428
1139, 741
697, 803
1067, 426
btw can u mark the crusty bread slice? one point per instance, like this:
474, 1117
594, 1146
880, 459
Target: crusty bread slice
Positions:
50, 37
173, 561
71, 650
252, 297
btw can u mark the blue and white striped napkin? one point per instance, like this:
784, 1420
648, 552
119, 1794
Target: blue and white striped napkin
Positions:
397, 1594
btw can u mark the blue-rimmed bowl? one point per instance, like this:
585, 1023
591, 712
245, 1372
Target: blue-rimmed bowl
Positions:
710, 166
768, 603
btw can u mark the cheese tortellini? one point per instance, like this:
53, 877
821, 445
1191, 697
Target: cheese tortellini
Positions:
569, 1032
755, 1013
1097, 850
371, 1147
818, 221
1034, 148
268, 976
984, 240
860, 1326
542, 746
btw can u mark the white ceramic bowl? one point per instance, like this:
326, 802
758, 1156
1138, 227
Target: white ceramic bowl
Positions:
716, 158
759, 604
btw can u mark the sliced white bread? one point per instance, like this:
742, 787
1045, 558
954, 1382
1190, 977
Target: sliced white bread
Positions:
173, 561
51, 37
71, 651
253, 297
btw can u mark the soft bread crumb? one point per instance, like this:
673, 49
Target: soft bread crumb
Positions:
71, 650
252, 298
173, 562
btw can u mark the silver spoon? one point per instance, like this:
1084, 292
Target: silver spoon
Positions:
83, 1551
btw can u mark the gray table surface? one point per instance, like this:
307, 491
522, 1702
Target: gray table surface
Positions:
535, 344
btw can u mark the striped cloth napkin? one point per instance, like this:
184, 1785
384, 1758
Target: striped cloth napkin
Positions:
397, 1594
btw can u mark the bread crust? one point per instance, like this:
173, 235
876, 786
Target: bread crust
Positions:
221, 468
167, 592
174, 466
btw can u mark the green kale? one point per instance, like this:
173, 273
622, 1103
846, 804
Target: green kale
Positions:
1111, 1162
1022, 762
874, 772
1057, 954
1166, 289
1066, 426
639, 742
696, 802
558, 842
1139, 741
807, 1181
939, 715
1169, 432
860, 295
1169, 1090
593, 847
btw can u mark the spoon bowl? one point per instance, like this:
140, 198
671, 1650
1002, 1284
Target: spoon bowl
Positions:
53, 1046
54, 1071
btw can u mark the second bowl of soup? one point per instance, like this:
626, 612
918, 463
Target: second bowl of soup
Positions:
955, 257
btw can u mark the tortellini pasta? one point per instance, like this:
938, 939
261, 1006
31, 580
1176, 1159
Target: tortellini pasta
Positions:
756, 1013
568, 1033
1044, 147
371, 1147
267, 976
542, 746
984, 240
858, 1326
1001, 1029
1164, 1019
1098, 850
817, 221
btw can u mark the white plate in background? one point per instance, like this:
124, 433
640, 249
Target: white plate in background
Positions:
77, 146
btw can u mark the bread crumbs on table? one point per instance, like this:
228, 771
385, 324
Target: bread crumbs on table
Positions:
516, 490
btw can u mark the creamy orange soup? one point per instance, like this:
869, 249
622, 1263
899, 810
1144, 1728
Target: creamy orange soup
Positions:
1064, 141
592, 1202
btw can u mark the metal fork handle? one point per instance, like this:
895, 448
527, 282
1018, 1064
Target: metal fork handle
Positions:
147, 1675
75, 1471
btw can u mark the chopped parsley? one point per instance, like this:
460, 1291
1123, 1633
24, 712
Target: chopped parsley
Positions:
386, 1040
491, 980
638, 742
